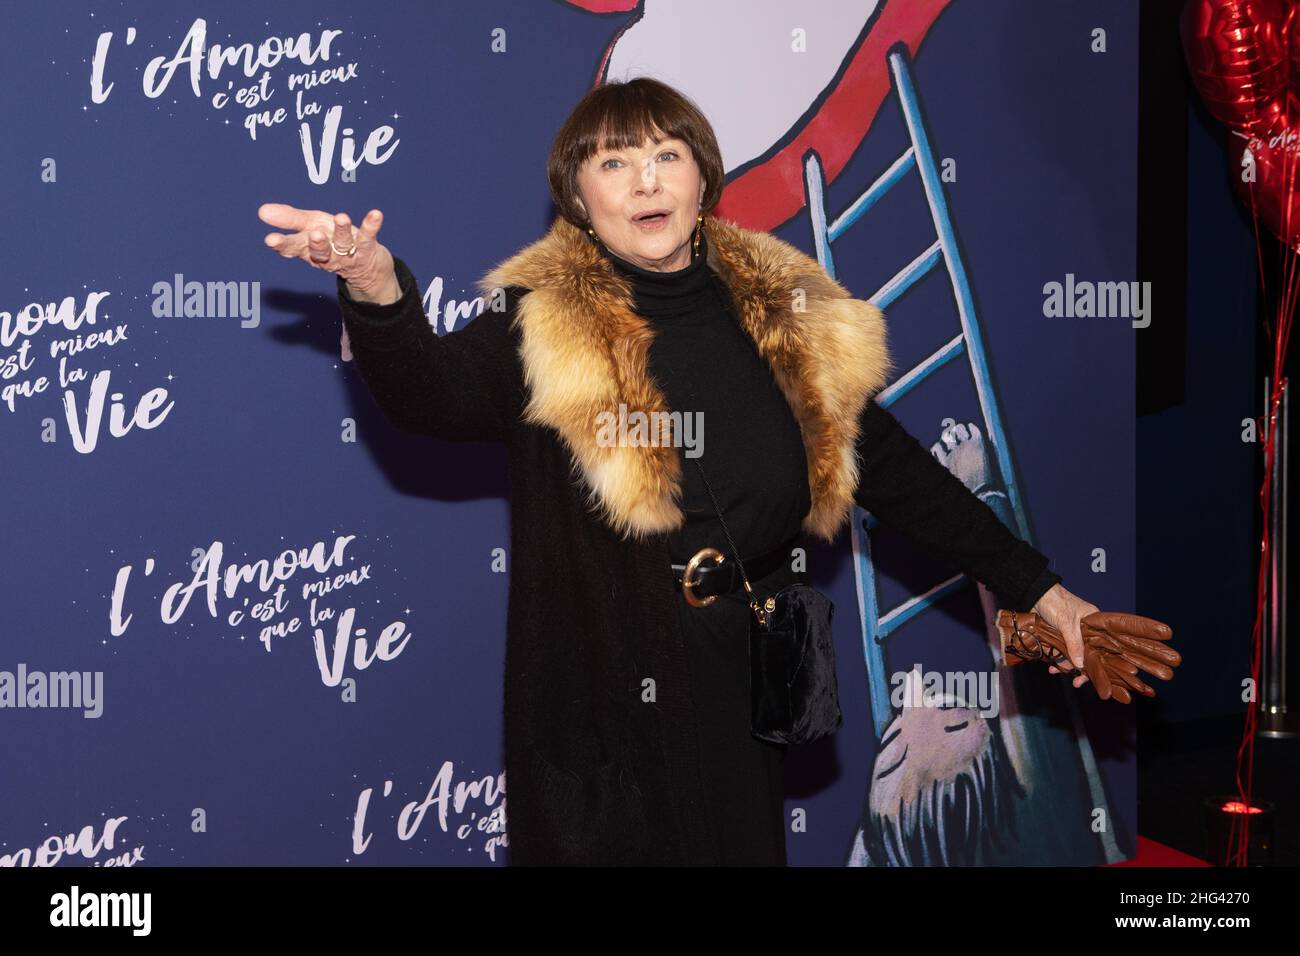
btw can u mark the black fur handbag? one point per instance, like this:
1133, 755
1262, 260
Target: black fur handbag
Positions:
793, 691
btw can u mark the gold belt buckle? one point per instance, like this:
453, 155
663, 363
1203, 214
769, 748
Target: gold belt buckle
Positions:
692, 566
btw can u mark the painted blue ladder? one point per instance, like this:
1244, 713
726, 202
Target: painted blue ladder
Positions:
877, 628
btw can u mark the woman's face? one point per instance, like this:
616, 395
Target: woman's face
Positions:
618, 187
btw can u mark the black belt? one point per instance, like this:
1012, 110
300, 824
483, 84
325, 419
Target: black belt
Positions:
712, 579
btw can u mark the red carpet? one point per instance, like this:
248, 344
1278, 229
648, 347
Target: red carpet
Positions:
1151, 853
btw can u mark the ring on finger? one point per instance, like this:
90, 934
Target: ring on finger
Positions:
343, 252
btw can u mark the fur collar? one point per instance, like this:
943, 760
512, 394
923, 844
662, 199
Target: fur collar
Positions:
584, 351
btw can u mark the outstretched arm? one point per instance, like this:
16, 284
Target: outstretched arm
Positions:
903, 485
466, 385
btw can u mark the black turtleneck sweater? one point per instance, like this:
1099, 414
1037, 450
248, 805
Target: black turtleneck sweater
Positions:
746, 437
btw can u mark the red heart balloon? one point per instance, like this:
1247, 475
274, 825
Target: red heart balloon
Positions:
1274, 163
1244, 60
1240, 59
1291, 36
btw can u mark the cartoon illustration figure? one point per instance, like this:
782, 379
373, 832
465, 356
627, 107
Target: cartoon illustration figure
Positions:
942, 786
1015, 781
822, 80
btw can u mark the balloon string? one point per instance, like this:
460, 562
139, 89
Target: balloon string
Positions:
1235, 835
1259, 254
1234, 42
1239, 838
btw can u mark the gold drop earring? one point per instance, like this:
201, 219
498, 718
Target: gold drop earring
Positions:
699, 230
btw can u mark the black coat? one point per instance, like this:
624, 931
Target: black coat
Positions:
602, 764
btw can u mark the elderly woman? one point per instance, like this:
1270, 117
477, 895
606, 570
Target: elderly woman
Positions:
627, 713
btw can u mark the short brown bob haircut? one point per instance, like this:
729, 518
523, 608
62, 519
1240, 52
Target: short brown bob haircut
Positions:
622, 115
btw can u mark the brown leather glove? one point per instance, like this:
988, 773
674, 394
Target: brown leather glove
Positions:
1116, 647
